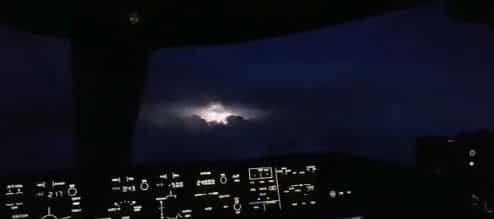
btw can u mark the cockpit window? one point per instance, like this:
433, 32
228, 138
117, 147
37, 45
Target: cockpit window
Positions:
367, 88
35, 103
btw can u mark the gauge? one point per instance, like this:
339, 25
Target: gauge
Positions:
167, 207
48, 199
167, 199
124, 198
125, 209
57, 200
216, 192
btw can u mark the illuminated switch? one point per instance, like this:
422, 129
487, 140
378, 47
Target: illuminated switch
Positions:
254, 174
72, 190
54, 184
472, 153
128, 188
223, 178
137, 208
284, 171
177, 185
332, 194
205, 173
206, 182
224, 196
310, 188
311, 169
15, 186
9, 192
20, 216
267, 173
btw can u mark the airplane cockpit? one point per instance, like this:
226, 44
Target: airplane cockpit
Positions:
246, 109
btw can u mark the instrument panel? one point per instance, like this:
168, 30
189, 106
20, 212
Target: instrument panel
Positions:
219, 190
45, 199
452, 178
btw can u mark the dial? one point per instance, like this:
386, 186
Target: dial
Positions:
167, 199
125, 198
125, 209
61, 200
167, 207
216, 192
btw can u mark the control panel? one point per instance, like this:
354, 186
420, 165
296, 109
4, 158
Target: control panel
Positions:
219, 190
54, 198
463, 161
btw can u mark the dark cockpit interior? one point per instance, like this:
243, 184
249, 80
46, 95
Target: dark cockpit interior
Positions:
246, 109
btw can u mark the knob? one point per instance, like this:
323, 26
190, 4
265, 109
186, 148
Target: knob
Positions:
144, 186
134, 18
72, 191
223, 179
237, 206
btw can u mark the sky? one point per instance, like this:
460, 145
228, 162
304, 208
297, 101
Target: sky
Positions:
367, 88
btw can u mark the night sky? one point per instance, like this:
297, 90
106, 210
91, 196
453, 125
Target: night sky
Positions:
367, 88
